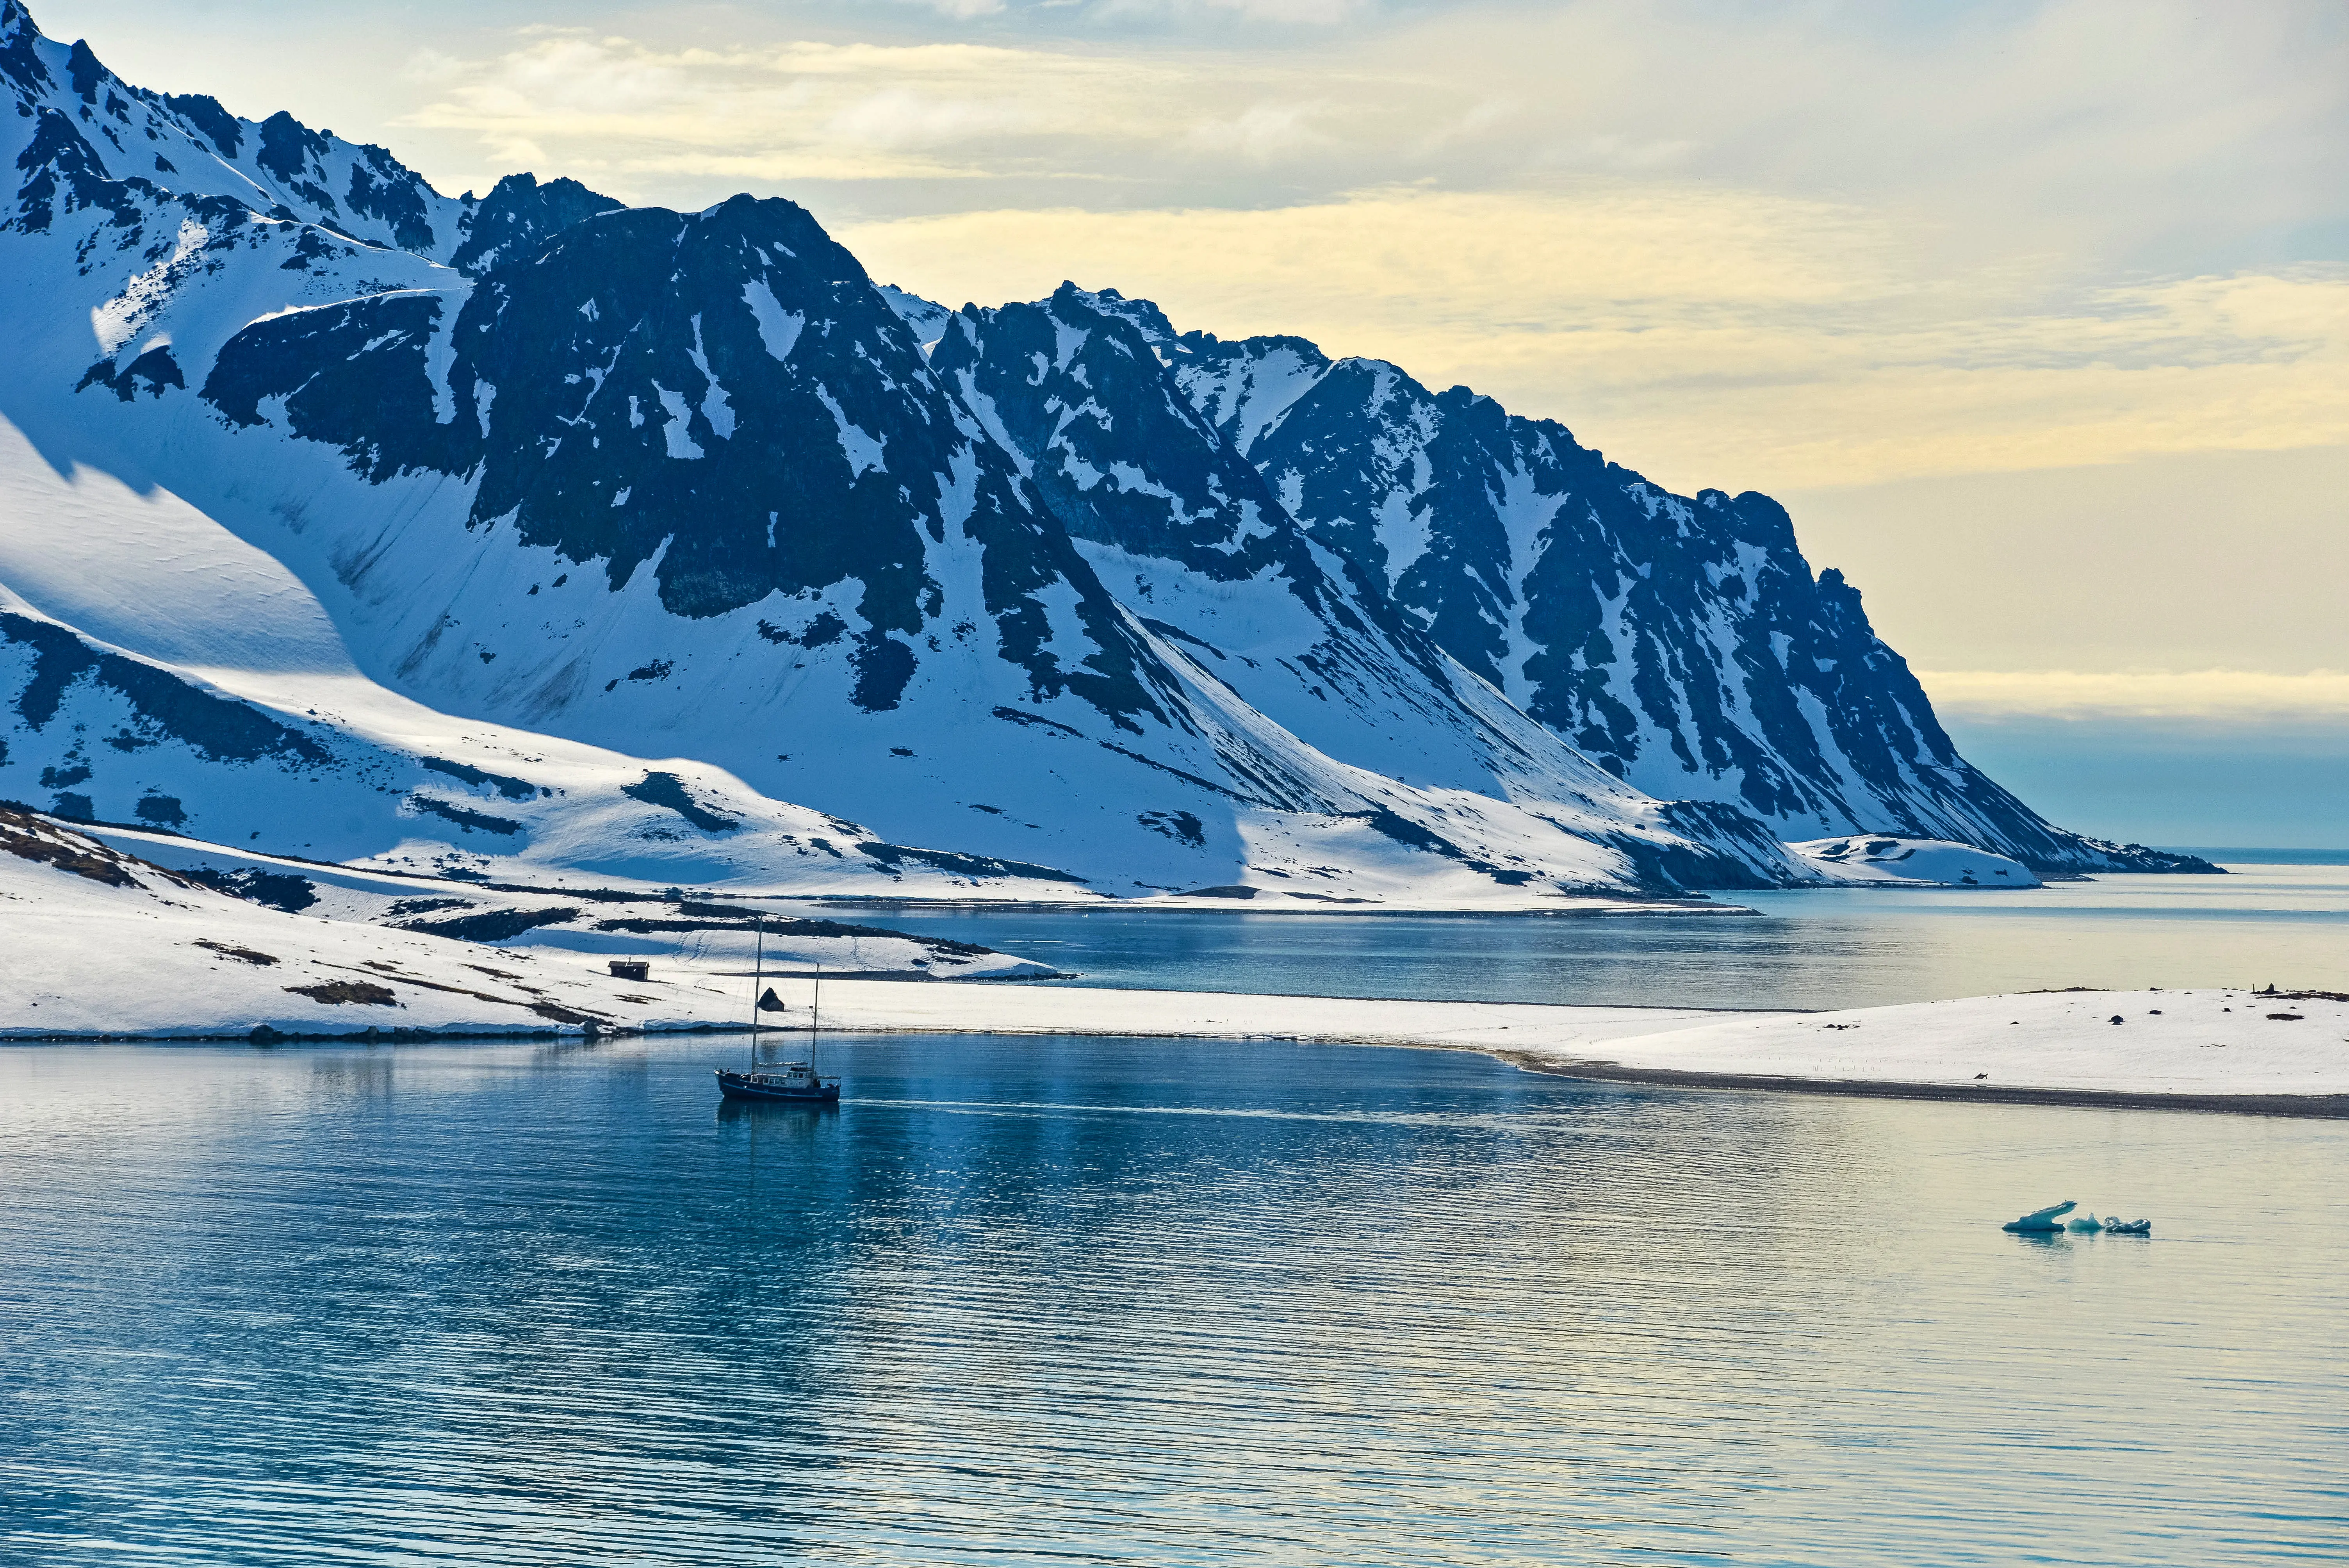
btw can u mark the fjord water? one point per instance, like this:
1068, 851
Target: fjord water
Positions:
2285, 922
1035, 1300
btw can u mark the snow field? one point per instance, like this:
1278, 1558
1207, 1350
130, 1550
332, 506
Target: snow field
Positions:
105, 943
2202, 1042
2228, 1043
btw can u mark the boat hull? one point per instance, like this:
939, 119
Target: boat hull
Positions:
740, 1086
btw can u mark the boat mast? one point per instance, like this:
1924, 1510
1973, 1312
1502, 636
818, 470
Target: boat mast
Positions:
758, 979
815, 1014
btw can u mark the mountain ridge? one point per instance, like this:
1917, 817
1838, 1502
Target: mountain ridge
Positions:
690, 485
1683, 643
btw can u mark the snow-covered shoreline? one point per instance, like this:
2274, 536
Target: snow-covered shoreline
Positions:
108, 944
100, 942
2220, 1050
2171, 1047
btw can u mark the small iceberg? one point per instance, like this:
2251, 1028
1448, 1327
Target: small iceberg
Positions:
2087, 1222
2041, 1221
2128, 1227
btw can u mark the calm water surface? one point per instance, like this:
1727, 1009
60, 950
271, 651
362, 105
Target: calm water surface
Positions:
1059, 1301
1857, 948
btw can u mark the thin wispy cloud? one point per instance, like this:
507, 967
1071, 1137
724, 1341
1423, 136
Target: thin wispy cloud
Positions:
1265, 132
2151, 136
676, 125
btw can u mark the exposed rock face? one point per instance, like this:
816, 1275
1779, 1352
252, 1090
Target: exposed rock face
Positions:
721, 399
1187, 535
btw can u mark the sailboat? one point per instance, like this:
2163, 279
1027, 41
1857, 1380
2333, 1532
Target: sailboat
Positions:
796, 1082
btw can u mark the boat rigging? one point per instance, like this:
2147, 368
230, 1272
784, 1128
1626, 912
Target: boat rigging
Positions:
796, 1082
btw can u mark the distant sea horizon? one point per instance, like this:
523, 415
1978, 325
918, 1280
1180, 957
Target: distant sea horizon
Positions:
2268, 856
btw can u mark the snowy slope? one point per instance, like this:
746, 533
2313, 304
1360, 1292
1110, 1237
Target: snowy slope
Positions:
100, 942
673, 928
337, 768
1682, 642
2214, 1042
1873, 860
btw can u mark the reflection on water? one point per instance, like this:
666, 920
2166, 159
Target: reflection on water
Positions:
1853, 948
1134, 1302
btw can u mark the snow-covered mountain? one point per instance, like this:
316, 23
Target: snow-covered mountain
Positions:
533, 536
1683, 643
1184, 533
683, 486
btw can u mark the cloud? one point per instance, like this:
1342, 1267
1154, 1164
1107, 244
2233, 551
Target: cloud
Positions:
1306, 13
2245, 697
2151, 137
1282, 13
656, 123
902, 117
1264, 132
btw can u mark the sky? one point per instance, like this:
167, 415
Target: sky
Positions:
2036, 315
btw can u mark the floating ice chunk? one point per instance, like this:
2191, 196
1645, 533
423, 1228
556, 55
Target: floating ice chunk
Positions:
2041, 1220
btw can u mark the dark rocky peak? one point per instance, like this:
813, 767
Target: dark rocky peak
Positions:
1114, 447
631, 353
290, 150
722, 398
203, 112
293, 156
518, 216
84, 71
20, 58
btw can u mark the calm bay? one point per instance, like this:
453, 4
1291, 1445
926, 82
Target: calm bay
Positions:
1039, 1300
